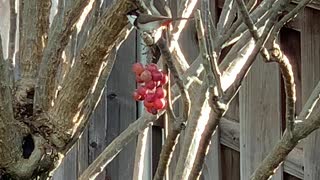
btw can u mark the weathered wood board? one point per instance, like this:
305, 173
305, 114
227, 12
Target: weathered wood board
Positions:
310, 70
260, 117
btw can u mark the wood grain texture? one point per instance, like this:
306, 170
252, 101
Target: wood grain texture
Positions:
68, 168
229, 137
310, 69
97, 133
121, 109
260, 118
230, 161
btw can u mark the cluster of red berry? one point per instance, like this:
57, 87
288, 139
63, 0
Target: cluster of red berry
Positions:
151, 90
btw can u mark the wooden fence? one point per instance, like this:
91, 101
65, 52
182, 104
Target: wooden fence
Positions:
252, 125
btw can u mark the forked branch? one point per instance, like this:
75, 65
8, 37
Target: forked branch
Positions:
58, 40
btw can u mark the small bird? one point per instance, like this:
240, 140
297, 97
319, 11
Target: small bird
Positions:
149, 23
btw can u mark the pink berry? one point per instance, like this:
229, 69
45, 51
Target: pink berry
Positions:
142, 90
152, 67
150, 97
146, 76
160, 92
137, 68
159, 103
148, 104
137, 96
138, 79
157, 76
150, 85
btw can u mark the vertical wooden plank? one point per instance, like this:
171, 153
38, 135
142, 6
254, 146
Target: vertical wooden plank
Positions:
68, 168
230, 163
310, 69
146, 135
121, 108
97, 133
156, 147
260, 117
212, 167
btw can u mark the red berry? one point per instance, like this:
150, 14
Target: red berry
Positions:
150, 85
159, 103
152, 111
160, 92
150, 97
148, 104
137, 96
152, 67
142, 90
137, 68
164, 79
146, 76
138, 79
157, 76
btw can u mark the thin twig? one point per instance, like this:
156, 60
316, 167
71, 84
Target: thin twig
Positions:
225, 15
252, 28
203, 49
116, 146
264, 10
217, 109
165, 52
292, 14
311, 103
239, 75
213, 54
168, 147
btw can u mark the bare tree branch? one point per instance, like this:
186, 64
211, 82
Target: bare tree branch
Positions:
92, 99
217, 108
290, 88
291, 15
64, 117
264, 10
193, 130
140, 154
5, 93
34, 25
12, 39
173, 134
58, 40
209, 56
226, 17
12, 131
311, 103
